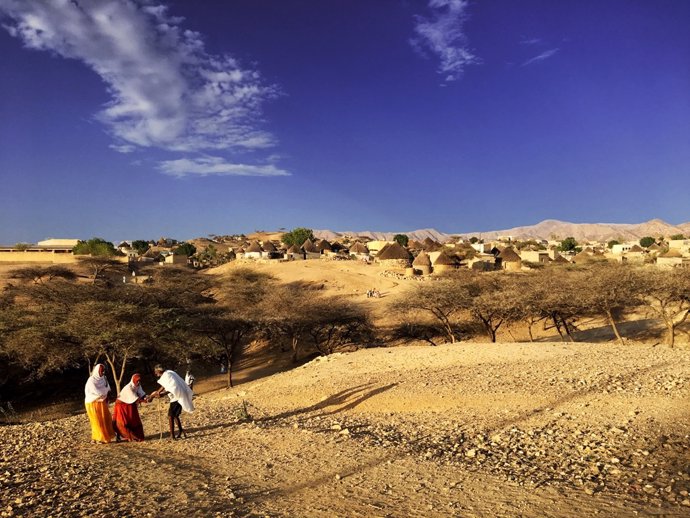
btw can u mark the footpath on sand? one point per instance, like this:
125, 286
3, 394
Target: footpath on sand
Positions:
556, 430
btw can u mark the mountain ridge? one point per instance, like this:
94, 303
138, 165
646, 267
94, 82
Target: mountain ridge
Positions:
546, 229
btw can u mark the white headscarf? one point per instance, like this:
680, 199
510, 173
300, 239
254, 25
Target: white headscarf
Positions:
179, 391
131, 393
97, 387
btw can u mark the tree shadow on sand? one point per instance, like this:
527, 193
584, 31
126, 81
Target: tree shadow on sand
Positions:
341, 402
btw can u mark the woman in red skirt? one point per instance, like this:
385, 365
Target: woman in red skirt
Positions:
126, 420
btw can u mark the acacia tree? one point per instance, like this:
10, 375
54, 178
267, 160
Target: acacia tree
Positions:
667, 293
99, 265
527, 301
555, 299
289, 311
236, 313
608, 289
63, 324
41, 274
493, 301
444, 300
335, 322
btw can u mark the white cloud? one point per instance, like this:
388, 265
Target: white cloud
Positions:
530, 41
167, 92
213, 165
442, 35
541, 57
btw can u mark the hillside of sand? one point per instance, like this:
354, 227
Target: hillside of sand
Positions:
501, 430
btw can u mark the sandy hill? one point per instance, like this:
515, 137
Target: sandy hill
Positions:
500, 430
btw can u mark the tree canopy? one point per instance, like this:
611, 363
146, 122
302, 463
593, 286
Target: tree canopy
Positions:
569, 244
401, 239
297, 236
187, 249
647, 241
140, 246
95, 246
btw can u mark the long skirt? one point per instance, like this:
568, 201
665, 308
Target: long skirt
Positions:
127, 422
101, 421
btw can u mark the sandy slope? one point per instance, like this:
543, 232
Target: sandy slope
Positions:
464, 430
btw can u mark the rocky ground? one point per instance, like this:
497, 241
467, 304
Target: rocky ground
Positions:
548, 430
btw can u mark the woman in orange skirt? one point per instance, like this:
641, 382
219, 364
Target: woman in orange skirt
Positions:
96, 401
126, 420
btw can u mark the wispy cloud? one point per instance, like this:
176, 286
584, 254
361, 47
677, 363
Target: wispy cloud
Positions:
541, 57
442, 34
530, 41
167, 92
213, 165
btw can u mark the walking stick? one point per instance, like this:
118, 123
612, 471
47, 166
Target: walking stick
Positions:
160, 422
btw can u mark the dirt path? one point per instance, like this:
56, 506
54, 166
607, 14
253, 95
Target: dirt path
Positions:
553, 430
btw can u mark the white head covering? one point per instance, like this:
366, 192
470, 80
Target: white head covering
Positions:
131, 393
179, 391
97, 387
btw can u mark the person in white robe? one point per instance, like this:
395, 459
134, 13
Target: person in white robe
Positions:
180, 396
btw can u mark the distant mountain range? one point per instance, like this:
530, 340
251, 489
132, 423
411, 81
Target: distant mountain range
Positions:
547, 229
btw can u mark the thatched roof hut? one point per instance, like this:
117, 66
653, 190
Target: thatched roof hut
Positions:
422, 260
422, 263
358, 248
394, 256
269, 247
324, 245
309, 247
510, 260
255, 247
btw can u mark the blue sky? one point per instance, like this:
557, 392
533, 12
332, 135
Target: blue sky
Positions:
133, 120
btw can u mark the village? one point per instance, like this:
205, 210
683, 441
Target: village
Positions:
400, 255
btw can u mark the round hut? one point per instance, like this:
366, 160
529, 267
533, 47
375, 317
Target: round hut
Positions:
254, 251
310, 250
510, 260
444, 262
270, 250
394, 256
360, 251
422, 264
295, 253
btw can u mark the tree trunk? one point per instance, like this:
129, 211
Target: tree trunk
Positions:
112, 368
228, 371
558, 327
295, 343
567, 329
612, 321
671, 335
529, 331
